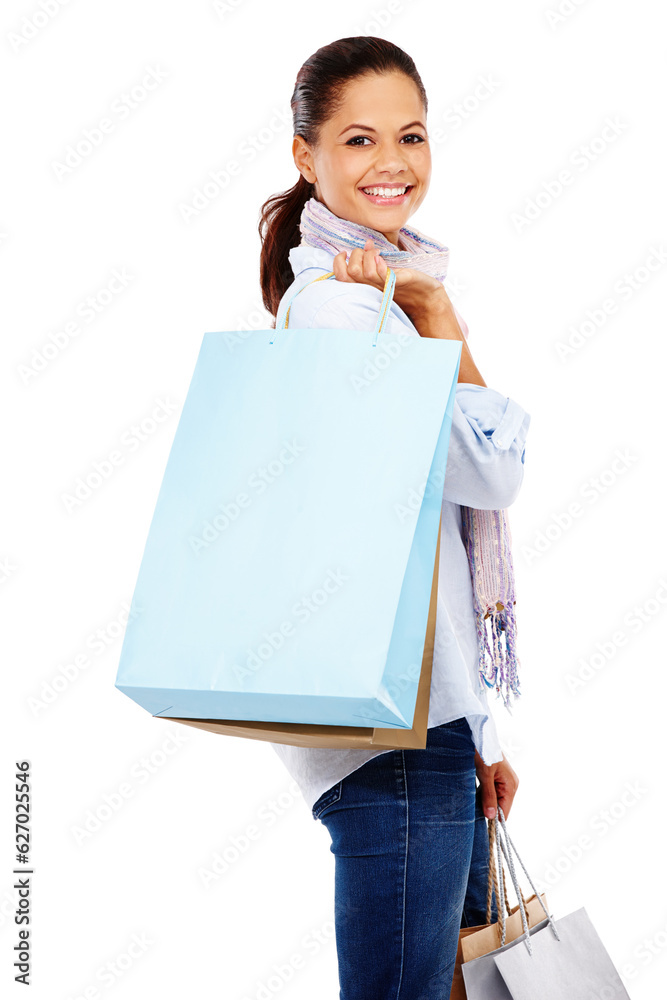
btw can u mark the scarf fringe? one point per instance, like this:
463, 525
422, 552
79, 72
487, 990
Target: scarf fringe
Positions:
488, 541
498, 662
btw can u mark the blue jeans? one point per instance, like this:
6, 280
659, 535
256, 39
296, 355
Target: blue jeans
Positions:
411, 847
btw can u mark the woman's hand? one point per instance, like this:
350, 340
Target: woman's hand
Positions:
415, 292
421, 297
499, 783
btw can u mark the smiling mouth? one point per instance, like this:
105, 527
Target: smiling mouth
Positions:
390, 194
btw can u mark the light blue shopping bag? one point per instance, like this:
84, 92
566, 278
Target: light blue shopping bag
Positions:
288, 567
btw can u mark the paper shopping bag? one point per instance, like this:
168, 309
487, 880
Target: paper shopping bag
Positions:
574, 966
485, 938
482, 977
289, 565
561, 959
297, 734
458, 991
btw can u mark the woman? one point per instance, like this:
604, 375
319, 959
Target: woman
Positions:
408, 827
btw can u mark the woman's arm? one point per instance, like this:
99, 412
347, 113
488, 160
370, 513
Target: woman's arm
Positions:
487, 442
437, 318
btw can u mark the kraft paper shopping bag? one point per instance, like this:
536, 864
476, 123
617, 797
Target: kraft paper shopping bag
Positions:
484, 938
288, 568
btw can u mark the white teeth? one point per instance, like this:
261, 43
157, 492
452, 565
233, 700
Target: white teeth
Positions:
386, 192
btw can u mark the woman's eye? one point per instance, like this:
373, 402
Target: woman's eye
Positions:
413, 135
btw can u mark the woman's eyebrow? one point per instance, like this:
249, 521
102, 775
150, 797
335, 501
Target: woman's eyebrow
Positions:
367, 128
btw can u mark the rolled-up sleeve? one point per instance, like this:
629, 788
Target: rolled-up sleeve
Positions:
485, 459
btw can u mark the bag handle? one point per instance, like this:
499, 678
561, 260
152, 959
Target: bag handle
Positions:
497, 875
381, 322
492, 882
507, 847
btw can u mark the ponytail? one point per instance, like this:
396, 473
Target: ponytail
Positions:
279, 232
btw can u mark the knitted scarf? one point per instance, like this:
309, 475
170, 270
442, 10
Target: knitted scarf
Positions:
486, 533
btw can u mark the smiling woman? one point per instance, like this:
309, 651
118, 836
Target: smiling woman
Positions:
407, 826
382, 169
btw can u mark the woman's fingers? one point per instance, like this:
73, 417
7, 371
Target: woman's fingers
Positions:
369, 265
499, 783
507, 783
489, 798
340, 267
361, 265
356, 265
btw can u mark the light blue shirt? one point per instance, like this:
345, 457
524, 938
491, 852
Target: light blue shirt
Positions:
485, 467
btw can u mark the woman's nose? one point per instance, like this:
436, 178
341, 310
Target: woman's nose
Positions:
391, 160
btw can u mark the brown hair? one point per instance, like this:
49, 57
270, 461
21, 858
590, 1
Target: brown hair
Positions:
318, 93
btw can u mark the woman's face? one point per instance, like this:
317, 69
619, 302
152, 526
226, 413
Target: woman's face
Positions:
377, 138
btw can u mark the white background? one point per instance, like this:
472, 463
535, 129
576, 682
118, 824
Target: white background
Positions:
590, 759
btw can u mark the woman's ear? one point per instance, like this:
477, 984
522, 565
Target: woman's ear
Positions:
303, 158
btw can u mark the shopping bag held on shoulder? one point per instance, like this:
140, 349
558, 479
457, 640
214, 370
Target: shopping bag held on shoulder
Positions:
285, 585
